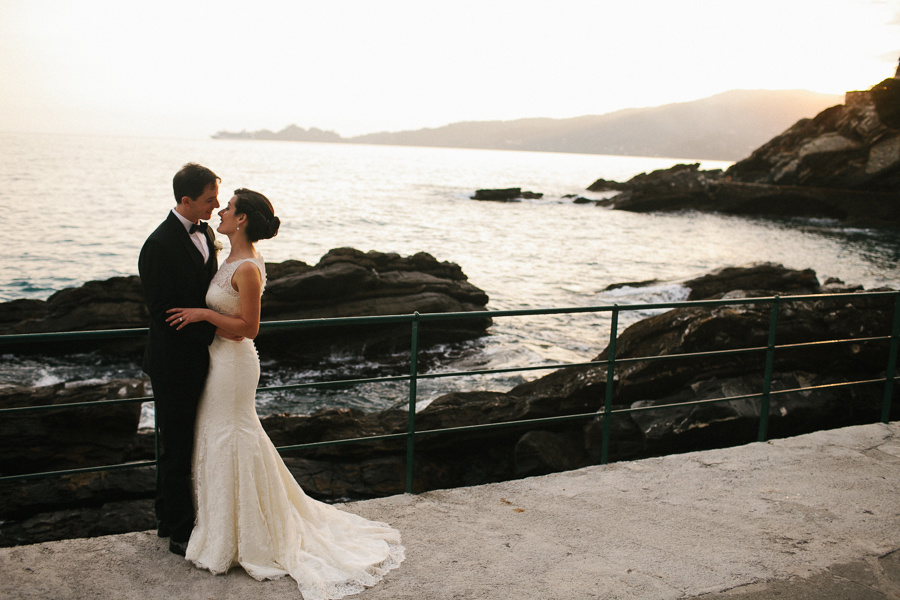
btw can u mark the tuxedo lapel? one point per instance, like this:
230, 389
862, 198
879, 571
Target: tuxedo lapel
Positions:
211, 245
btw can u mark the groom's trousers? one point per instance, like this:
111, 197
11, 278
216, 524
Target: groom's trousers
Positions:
175, 404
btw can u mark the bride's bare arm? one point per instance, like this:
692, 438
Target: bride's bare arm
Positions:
228, 335
246, 280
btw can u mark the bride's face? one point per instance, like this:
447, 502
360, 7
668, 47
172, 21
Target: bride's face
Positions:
230, 221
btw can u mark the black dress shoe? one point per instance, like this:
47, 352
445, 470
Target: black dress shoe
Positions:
179, 548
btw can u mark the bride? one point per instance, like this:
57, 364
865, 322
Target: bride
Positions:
250, 510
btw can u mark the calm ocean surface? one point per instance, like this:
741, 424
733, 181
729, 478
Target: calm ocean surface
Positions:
78, 208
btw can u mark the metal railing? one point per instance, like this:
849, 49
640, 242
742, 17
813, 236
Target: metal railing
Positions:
414, 320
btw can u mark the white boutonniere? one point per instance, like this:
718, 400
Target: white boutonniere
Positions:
217, 245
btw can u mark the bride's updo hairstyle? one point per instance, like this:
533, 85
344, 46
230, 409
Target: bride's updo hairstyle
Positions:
262, 223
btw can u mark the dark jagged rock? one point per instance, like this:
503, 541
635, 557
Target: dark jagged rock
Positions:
90, 521
606, 185
705, 426
849, 146
450, 459
542, 452
886, 97
758, 276
346, 282
506, 195
685, 187
76, 437
681, 186
843, 164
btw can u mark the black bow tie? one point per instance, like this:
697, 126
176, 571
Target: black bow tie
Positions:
201, 227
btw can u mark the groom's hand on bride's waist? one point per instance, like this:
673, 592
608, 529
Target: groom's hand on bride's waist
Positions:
228, 335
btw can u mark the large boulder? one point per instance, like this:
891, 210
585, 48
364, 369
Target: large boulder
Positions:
345, 283
349, 283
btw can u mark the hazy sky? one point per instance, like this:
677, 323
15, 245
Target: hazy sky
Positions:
189, 69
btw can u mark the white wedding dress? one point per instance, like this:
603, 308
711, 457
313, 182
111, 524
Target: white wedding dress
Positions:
250, 510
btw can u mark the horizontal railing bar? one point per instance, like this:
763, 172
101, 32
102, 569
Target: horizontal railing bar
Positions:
592, 363
828, 385
349, 321
746, 396
400, 378
373, 438
337, 382
650, 306
563, 418
747, 350
554, 311
484, 426
132, 465
76, 335
878, 338
93, 404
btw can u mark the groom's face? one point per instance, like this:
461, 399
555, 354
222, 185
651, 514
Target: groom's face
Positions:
203, 206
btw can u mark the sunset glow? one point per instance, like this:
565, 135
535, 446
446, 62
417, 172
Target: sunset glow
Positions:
189, 69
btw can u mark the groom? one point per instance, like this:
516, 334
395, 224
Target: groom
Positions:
176, 264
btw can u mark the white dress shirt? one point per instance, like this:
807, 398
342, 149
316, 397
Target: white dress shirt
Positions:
198, 237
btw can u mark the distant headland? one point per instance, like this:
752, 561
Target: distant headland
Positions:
727, 126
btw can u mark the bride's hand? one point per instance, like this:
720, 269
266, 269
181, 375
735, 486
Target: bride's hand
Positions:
179, 317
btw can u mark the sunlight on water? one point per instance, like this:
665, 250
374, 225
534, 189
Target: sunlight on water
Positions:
79, 209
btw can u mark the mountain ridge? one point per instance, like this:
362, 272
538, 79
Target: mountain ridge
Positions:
725, 126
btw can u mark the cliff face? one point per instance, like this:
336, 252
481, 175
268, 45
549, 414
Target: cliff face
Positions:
853, 146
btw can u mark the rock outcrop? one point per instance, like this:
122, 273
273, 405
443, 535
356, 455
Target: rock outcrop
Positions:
33, 510
346, 282
506, 195
853, 146
843, 164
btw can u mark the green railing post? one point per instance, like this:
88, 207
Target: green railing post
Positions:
411, 425
767, 377
610, 380
892, 363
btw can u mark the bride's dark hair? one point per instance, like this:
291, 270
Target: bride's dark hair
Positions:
262, 223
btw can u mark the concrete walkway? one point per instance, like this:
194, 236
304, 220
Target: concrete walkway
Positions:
816, 516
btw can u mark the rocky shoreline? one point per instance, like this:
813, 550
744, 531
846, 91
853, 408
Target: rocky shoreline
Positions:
345, 282
118, 501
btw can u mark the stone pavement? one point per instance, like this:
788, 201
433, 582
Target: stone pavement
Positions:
811, 517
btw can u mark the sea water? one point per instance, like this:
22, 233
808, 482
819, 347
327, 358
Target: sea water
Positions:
78, 208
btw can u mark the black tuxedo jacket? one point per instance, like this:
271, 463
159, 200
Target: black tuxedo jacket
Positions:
173, 275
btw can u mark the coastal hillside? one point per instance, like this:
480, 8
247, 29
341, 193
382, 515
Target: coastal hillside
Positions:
727, 126
842, 164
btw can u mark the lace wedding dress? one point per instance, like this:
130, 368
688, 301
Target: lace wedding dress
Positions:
250, 510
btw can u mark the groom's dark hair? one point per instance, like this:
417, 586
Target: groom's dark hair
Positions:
191, 181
